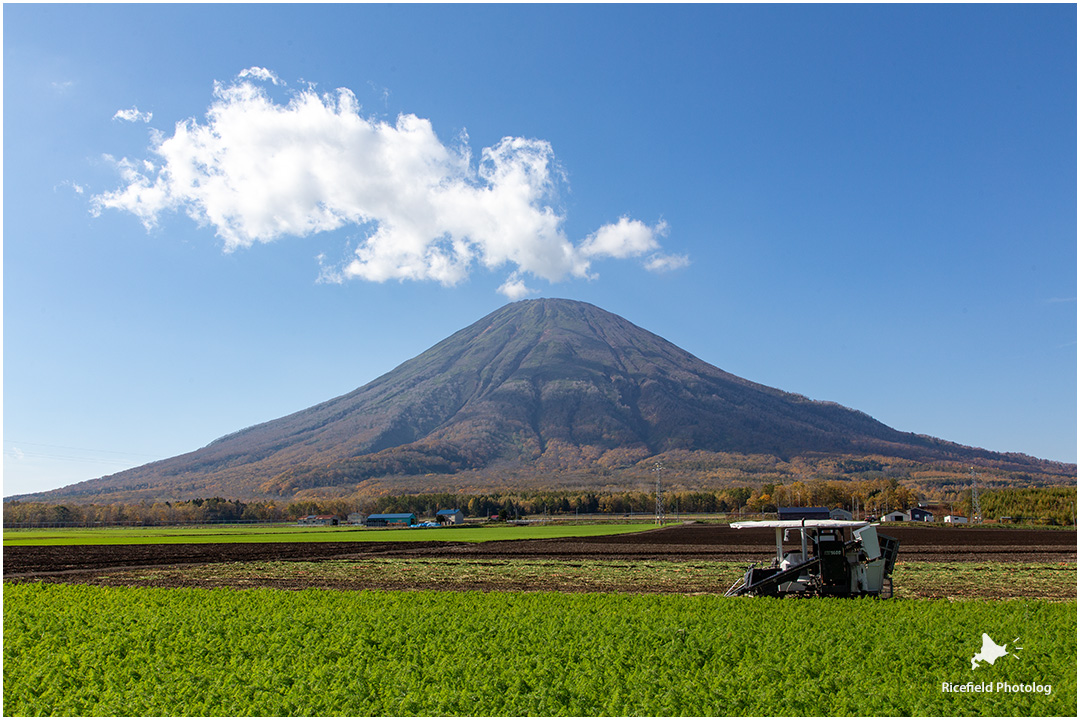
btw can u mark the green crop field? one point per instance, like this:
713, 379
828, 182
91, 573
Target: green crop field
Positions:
293, 533
84, 650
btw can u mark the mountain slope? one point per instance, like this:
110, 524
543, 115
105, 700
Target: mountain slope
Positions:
548, 385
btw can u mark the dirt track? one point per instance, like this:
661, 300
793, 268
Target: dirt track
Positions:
685, 542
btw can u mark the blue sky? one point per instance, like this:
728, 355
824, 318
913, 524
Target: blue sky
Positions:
218, 215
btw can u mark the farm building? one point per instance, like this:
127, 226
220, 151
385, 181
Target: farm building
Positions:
802, 513
938, 510
319, 520
450, 517
914, 514
840, 514
955, 519
385, 519
357, 518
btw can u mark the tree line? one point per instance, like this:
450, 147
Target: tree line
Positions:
864, 498
1044, 506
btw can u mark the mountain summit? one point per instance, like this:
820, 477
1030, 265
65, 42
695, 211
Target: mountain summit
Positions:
539, 386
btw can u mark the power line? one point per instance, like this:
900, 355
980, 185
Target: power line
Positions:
41, 451
19, 454
92, 450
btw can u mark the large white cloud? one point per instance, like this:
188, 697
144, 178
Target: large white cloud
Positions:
256, 170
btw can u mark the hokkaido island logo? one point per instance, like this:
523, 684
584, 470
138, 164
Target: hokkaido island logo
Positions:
991, 652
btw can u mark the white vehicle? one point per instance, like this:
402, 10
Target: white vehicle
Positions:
843, 558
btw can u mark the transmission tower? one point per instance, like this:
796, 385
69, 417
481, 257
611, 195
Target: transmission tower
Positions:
976, 513
659, 469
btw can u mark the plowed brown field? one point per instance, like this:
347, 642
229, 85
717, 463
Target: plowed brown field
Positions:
681, 542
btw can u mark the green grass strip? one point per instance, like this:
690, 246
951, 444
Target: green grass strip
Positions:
293, 533
82, 650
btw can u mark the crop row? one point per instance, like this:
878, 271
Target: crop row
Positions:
955, 580
83, 650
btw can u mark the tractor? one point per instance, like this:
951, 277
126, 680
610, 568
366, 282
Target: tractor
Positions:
838, 558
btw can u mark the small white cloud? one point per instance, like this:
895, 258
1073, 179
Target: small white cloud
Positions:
133, 115
382, 92
256, 170
79, 189
515, 288
664, 263
623, 239
259, 73
62, 86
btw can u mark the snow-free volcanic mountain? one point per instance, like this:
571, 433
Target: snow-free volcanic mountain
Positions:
542, 388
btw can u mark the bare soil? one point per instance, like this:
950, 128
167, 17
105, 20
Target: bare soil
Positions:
690, 542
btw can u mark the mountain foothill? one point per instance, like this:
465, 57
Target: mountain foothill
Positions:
556, 394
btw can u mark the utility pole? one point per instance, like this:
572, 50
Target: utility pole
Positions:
976, 513
659, 469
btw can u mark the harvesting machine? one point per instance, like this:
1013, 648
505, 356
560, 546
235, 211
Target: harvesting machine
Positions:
840, 558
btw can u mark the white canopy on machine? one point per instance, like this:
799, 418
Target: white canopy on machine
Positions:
798, 524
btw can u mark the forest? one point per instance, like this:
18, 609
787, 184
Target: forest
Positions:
865, 498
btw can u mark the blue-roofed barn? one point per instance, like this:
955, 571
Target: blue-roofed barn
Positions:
388, 519
802, 513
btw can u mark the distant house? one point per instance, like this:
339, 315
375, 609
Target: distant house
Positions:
357, 518
921, 515
450, 517
802, 513
955, 519
319, 520
389, 519
840, 514
912, 515
939, 510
